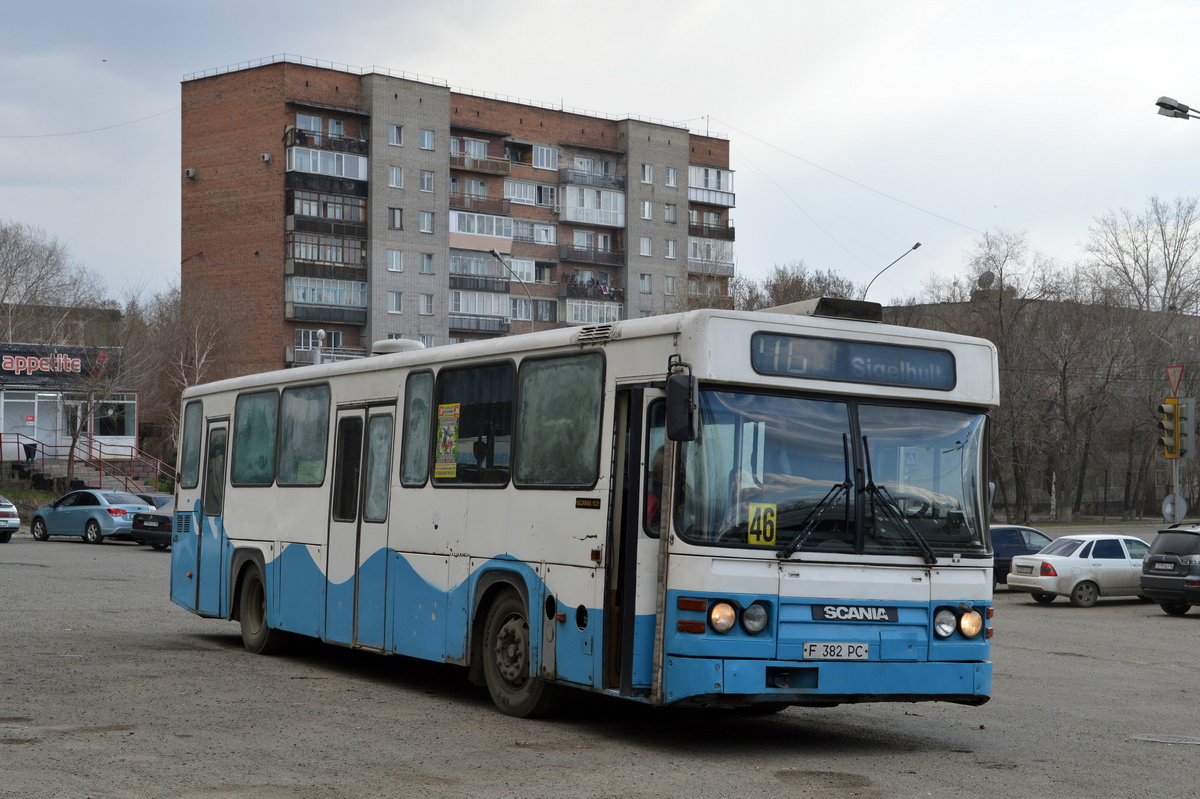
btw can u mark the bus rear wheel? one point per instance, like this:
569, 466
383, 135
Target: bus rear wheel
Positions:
257, 637
506, 665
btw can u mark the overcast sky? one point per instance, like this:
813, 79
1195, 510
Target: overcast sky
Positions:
858, 127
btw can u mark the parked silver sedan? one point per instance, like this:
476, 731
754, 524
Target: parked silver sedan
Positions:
1082, 568
91, 513
10, 520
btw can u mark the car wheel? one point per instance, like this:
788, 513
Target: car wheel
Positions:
1085, 594
1043, 599
161, 547
5, 537
257, 637
1175, 608
38, 530
91, 532
506, 655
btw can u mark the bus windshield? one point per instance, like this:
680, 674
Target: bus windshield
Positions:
840, 475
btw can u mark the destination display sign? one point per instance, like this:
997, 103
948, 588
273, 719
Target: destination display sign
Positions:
852, 361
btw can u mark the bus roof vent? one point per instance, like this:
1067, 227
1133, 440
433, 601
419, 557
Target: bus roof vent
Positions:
594, 334
387, 345
833, 307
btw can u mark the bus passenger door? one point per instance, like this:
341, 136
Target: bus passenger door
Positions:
211, 538
630, 583
357, 548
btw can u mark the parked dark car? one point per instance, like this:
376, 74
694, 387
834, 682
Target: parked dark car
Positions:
157, 500
1009, 540
155, 527
1171, 569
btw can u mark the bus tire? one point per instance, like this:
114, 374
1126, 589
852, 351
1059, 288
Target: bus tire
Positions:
505, 654
257, 637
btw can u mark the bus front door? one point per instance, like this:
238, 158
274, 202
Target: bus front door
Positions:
357, 549
630, 604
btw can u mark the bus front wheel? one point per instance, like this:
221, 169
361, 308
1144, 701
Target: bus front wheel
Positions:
506, 664
257, 637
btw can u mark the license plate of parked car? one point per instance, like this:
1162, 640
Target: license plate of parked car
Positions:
1024, 570
819, 650
1165, 566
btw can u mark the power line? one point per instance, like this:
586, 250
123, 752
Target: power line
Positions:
850, 180
93, 130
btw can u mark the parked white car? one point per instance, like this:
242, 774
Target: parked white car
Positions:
1081, 567
10, 520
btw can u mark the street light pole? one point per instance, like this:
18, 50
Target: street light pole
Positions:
504, 263
889, 266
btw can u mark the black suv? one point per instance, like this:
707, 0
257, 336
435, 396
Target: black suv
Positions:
1171, 569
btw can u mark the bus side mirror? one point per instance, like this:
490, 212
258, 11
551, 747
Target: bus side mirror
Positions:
683, 420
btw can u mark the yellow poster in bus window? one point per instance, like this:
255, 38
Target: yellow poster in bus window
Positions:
446, 465
761, 528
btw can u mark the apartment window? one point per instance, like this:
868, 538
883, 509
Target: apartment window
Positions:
329, 206
395, 261
669, 212
324, 162
672, 179
337, 127
426, 180
426, 340
308, 122
644, 283
693, 217
427, 140
545, 310
426, 305
647, 209
647, 173
671, 248
547, 195
307, 339
518, 191
545, 157
712, 219
482, 224
521, 309
427, 221
395, 302
396, 177
645, 247
545, 234
396, 218
522, 268
319, 291
396, 135
427, 263
668, 285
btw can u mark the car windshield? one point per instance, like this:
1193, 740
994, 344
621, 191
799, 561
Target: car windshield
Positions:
124, 499
1062, 547
1173, 543
787, 471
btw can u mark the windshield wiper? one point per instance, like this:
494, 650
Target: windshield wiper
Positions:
885, 500
836, 492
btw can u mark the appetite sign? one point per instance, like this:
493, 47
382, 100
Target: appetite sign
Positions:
852, 361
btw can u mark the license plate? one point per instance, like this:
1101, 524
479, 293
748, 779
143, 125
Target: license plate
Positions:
1024, 570
819, 650
1167, 567
150, 524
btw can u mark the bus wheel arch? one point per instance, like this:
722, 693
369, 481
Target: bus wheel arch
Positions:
248, 606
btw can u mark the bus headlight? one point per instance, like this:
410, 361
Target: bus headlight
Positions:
971, 623
754, 618
722, 616
944, 623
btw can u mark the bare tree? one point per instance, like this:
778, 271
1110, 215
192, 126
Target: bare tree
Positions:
42, 291
1149, 261
792, 283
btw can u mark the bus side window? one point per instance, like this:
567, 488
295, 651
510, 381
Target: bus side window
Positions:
418, 426
214, 473
656, 435
474, 425
189, 451
559, 407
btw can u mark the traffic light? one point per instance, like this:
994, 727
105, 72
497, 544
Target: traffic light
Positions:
1169, 427
1186, 421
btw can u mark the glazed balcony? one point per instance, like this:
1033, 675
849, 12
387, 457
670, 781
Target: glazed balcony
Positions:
478, 324
711, 232
598, 179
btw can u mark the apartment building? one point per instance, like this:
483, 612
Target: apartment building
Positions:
326, 207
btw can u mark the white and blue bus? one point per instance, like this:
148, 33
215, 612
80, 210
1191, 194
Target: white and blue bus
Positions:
711, 508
